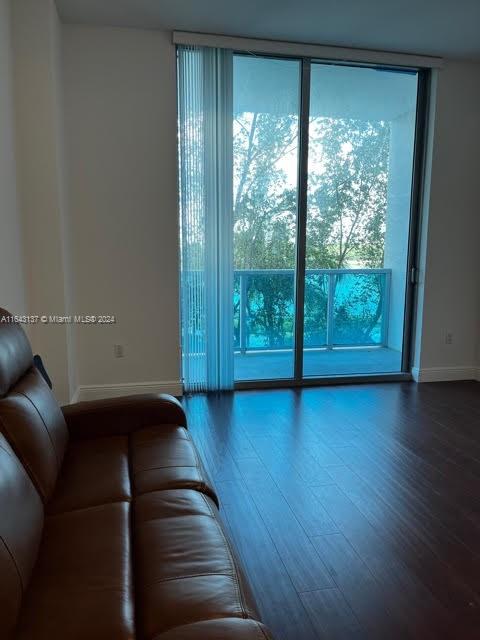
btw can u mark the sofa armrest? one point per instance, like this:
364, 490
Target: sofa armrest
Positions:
121, 416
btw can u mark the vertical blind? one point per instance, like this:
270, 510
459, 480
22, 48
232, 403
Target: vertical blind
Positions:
206, 219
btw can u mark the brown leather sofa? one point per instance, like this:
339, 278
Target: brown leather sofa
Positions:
109, 528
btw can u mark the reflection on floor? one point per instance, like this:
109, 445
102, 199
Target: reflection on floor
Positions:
271, 365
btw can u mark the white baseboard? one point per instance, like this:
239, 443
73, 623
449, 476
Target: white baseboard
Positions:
445, 374
101, 391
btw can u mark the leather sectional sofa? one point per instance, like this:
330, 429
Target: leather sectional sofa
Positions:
109, 527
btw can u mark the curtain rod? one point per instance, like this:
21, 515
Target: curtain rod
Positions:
298, 49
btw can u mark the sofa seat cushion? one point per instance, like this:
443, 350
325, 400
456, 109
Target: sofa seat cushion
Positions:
186, 570
223, 629
94, 472
164, 457
81, 586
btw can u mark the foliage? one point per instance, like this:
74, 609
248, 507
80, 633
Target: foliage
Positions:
347, 202
347, 198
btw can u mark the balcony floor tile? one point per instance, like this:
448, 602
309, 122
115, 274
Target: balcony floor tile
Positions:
272, 365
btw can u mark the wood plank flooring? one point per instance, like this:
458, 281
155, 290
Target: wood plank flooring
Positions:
355, 509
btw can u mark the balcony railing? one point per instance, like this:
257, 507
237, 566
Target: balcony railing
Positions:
343, 308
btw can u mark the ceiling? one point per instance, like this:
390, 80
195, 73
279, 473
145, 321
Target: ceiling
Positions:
436, 27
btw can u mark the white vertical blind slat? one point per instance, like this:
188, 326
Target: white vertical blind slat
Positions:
205, 150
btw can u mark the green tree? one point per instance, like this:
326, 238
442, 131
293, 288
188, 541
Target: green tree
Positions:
347, 200
265, 221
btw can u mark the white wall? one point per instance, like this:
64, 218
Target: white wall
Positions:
65, 225
120, 124
36, 34
12, 283
451, 273
398, 211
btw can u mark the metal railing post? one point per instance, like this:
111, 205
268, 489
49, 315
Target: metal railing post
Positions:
243, 312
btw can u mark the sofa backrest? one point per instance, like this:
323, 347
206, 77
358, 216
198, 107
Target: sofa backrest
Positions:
30, 418
21, 524
16, 355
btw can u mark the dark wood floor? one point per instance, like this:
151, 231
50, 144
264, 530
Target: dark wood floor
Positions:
355, 509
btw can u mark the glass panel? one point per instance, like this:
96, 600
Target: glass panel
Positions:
361, 142
359, 309
316, 299
265, 158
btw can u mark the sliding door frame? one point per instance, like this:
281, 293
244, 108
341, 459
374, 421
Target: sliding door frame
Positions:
416, 207
416, 201
302, 186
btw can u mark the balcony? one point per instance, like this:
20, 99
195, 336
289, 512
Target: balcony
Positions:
345, 328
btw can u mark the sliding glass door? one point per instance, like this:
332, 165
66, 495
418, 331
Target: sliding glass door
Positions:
360, 163
352, 224
266, 103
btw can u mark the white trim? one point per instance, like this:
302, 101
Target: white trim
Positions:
101, 391
306, 50
445, 374
416, 374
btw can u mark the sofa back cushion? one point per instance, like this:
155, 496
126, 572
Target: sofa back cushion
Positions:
33, 424
21, 524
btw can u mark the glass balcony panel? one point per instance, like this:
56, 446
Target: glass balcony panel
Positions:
316, 307
359, 309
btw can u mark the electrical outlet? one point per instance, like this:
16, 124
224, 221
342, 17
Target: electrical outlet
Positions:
449, 337
118, 351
